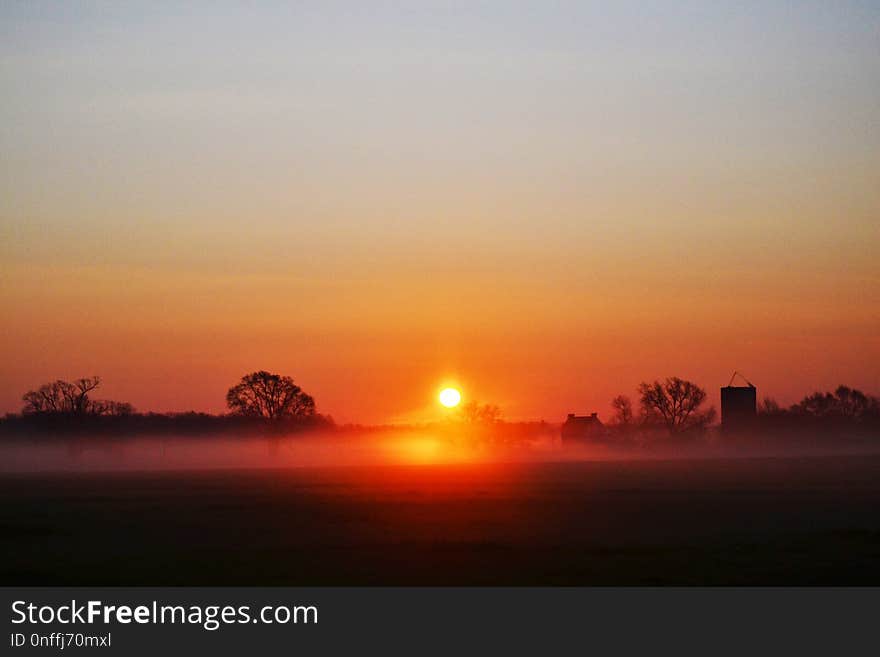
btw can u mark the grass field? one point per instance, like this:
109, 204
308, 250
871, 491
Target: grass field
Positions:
702, 521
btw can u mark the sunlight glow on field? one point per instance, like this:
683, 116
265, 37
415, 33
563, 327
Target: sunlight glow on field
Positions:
417, 450
322, 450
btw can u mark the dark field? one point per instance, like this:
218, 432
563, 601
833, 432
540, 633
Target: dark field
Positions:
723, 521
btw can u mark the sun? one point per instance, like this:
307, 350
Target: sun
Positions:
450, 397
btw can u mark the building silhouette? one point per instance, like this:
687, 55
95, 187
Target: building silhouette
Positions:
739, 405
580, 428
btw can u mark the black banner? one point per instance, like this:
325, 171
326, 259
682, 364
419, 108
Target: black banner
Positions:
407, 621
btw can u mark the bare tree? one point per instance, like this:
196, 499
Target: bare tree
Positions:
270, 396
475, 413
675, 403
623, 411
769, 406
76, 394
45, 399
62, 397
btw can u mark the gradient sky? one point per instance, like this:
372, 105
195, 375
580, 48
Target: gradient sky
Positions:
543, 202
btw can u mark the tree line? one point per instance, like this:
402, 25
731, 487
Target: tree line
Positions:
676, 407
72, 398
672, 406
259, 400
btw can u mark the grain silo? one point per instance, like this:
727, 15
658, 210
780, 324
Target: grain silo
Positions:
739, 405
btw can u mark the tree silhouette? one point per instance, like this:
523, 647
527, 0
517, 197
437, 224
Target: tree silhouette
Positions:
270, 396
45, 399
845, 402
475, 413
623, 411
111, 408
769, 406
71, 399
675, 402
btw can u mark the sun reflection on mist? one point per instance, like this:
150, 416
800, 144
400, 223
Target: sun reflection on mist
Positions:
429, 446
420, 450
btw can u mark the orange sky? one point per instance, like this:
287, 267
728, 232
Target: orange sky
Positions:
544, 206
376, 348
